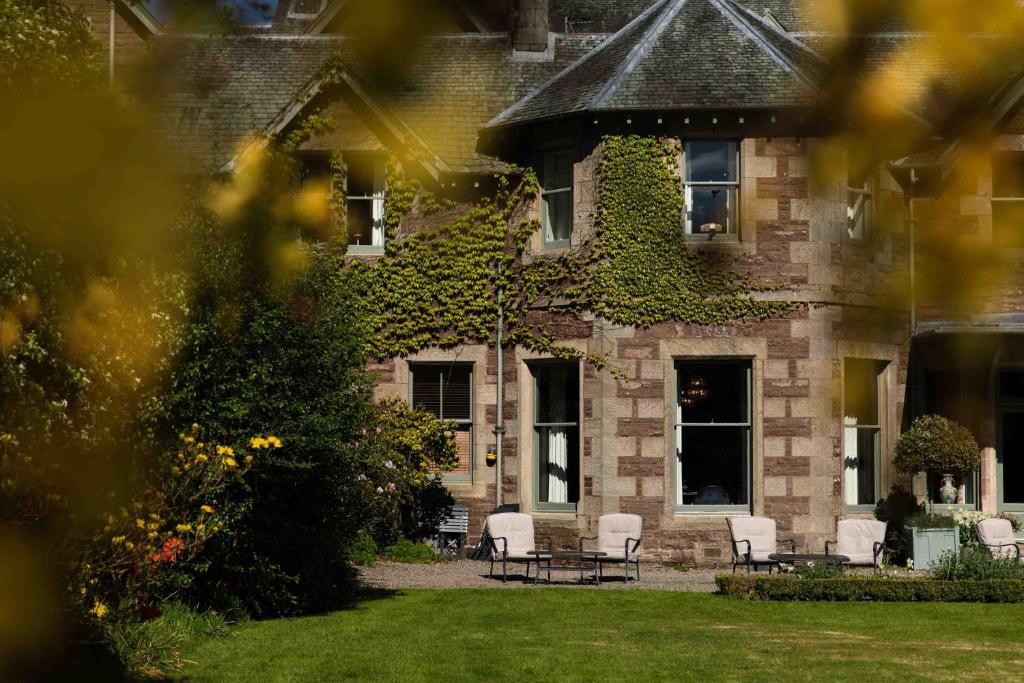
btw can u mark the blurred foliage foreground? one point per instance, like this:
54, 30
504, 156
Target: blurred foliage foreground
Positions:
184, 410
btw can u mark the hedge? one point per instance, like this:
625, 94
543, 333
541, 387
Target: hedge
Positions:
855, 588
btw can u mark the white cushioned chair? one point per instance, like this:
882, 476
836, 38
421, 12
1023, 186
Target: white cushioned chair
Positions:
511, 538
861, 540
996, 534
753, 540
619, 536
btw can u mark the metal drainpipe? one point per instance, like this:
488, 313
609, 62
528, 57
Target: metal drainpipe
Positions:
912, 230
499, 422
110, 59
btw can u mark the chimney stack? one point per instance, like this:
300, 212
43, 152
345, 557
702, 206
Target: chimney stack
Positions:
532, 23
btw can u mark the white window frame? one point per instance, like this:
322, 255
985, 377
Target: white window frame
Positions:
1016, 199
465, 422
850, 481
545, 506
547, 236
376, 200
732, 187
862, 208
679, 425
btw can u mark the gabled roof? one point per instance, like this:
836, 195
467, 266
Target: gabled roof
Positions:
681, 54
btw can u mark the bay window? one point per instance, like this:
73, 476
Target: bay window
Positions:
556, 436
713, 435
711, 185
446, 391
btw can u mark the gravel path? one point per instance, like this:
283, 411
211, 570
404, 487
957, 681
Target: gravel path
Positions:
473, 574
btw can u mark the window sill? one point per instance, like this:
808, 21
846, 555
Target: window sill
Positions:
555, 514
709, 511
365, 250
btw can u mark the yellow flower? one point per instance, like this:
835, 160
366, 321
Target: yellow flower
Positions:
151, 535
99, 610
200, 528
129, 545
195, 427
230, 462
274, 441
81, 590
141, 523
189, 439
207, 509
116, 540
175, 471
201, 457
225, 450
258, 442
182, 528
248, 459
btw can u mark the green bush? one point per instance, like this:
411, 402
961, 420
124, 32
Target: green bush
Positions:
410, 552
363, 551
975, 564
895, 510
817, 570
869, 588
938, 445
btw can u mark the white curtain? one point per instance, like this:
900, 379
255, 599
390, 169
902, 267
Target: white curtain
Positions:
851, 462
558, 465
378, 206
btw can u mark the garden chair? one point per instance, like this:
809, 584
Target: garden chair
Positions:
861, 540
618, 536
511, 538
753, 540
996, 534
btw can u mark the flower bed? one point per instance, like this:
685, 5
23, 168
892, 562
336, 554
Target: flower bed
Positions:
864, 588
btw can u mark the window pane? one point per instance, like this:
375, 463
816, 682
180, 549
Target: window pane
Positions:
858, 213
557, 393
557, 217
713, 392
714, 465
456, 392
359, 221
557, 172
362, 174
1011, 384
426, 388
463, 441
860, 392
860, 456
710, 207
711, 161
558, 465
1011, 454
1008, 174
1008, 224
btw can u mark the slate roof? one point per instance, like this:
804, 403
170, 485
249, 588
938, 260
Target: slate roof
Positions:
680, 54
222, 89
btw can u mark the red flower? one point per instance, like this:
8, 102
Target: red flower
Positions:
170, 550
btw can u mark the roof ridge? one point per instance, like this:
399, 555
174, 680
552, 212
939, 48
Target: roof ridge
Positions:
788, 36
636, 54
729, 10
522, 102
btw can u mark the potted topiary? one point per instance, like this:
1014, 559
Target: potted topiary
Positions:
936, 445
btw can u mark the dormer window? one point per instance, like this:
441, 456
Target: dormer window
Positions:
364, 201
556, 199
711, 183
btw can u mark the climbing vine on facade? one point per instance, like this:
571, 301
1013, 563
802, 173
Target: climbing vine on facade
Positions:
437, 286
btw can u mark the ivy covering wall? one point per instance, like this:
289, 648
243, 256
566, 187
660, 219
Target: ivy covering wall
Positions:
438, 287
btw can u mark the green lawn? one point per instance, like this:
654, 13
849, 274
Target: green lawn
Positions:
552, 634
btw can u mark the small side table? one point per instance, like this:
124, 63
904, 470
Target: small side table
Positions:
578, 561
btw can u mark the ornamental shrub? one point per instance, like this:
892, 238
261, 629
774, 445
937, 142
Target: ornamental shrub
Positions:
937, 445
410, 552
869, 588
975, 564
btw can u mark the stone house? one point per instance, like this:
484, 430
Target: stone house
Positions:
793, 418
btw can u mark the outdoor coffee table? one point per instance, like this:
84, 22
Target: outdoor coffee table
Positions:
805, 558
577, 561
